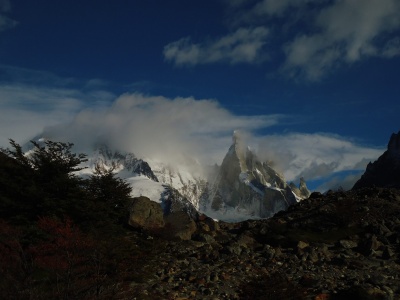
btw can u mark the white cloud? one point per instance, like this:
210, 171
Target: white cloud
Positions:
161, 128
169, 130
28, 104
25, 111
346, 31
316, 36
314, 156
320, 36
245, 45
337, 182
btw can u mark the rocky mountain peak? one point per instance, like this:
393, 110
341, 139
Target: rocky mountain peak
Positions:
394, 145
238, 148
235, 137
385, 171
108, 158
246, 187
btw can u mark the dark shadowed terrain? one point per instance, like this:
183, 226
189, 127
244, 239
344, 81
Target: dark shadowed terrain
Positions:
64, 237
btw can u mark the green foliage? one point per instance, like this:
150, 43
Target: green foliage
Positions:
55, 157
105, 187
109, 197
50, 224
19, 193
43, 183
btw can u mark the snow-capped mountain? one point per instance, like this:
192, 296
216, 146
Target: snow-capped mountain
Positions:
173, 189
248, 188
105, 157
241, 188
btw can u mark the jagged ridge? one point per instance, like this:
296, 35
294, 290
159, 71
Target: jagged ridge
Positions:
248, 188
385, 171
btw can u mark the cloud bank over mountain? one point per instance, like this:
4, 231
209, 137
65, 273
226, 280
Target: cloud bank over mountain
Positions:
33, 100
172, 130
162, 128
314, 156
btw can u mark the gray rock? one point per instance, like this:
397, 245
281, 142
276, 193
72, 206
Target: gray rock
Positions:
234, 248
348, 244
179, 225
302, 245
146, 214
202, 237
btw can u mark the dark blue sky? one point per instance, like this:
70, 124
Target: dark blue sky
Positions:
325, 67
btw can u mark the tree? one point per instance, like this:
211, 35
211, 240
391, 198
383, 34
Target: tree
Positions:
18, 190
60, 256
54, 158
45, 183
54, 166
109, 193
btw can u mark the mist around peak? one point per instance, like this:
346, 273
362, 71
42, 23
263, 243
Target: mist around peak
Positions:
198, 132
156, 127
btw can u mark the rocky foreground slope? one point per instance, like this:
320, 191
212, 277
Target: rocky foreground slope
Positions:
342, 245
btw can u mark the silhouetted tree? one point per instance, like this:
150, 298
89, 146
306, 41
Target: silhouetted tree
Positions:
42, 182
110, 194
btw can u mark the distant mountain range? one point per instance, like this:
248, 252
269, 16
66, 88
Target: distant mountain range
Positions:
243, 187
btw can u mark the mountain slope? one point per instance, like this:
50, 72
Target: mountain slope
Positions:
247, 188
384, 172
161, 184
241, 188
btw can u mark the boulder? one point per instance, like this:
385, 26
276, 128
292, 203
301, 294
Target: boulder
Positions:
149, 215
348, 244
179, 225
146, 214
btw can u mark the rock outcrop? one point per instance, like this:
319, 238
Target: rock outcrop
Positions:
146, 214
302, 191
179, 225
249, 188
172, 222
384, 172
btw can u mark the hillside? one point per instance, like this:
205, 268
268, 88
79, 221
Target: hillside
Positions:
344, 245
385, 171
62, 236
